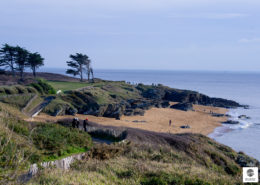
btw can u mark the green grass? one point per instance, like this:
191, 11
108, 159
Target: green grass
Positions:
33, 104
66, 86
19, 101
57, 105
46, 141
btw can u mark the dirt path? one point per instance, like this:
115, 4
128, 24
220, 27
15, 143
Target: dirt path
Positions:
41, 106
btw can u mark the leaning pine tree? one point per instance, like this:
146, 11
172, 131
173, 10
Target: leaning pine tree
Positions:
7, 57
79, 63
21, 60
35, 61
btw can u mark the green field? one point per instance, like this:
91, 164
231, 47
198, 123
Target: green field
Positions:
66, 86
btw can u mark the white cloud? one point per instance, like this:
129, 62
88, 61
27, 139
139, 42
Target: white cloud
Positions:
253, 40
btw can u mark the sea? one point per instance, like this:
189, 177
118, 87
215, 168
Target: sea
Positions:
243, 87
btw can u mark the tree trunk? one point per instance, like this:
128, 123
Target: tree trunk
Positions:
21, 73
81, 74
13, 72
34, 72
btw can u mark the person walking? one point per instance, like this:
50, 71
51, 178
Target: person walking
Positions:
85, 123
77, 122
170, 122
74, 122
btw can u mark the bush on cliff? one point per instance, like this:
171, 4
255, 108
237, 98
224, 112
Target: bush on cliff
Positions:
43, 87
56, 141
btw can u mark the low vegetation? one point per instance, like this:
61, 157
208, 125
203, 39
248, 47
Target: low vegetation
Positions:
43, 87
66, 86
23, 143
136, 164
137, 157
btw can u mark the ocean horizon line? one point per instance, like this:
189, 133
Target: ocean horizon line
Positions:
160, 70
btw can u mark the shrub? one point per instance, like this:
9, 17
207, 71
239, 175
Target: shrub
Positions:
37, 87
20, 127
10, 90
57, 140
47, 88
43, 87
2, 90
31, 89
21, 89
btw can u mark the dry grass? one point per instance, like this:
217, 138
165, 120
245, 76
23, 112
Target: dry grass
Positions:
134, 168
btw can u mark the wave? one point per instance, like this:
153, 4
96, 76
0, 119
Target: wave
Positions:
234, 116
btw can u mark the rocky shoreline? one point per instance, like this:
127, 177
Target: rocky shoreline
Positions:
85, 102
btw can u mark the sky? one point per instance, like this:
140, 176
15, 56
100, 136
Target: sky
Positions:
219, 35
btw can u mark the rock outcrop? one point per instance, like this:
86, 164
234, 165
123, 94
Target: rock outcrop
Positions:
183, 106
231, 122
114, 105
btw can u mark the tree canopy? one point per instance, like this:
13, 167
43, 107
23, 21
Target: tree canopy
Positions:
35, 61
16, 58
78, 64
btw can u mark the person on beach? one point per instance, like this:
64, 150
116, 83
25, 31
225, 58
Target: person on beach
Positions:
85, 123
170, 122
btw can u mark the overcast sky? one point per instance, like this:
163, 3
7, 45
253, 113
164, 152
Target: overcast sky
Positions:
138, 34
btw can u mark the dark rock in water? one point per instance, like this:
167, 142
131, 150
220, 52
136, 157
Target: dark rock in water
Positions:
227, 115
185, 126
231, 122
243, 117
217, 115
182, 106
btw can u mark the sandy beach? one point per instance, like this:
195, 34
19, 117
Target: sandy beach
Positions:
157, 119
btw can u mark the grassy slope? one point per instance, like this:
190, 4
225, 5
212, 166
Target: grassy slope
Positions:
65, 86
34, 142
137, 164
183, 162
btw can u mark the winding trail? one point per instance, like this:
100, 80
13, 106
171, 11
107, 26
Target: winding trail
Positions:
41, 106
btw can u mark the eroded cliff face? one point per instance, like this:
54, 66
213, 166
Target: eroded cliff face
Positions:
113, 101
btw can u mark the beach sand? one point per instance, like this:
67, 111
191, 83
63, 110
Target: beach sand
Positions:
157, 119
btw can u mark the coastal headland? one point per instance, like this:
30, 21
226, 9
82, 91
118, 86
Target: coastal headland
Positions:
144, 146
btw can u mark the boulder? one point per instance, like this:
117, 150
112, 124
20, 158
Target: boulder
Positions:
114, 111
243, 117
185, 126
176, 95
182, 106
139, 112
129, 112
217, 115
165, 104
71, 111
231, 122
